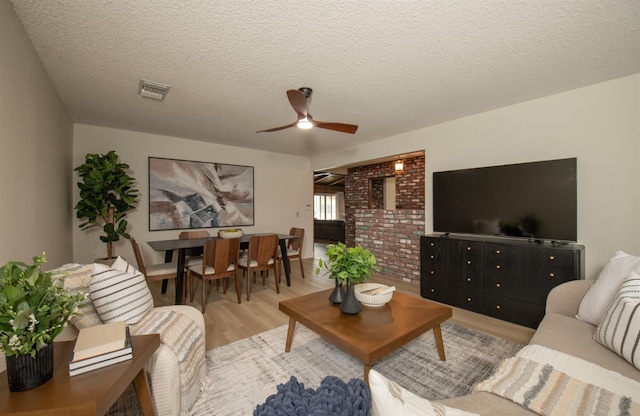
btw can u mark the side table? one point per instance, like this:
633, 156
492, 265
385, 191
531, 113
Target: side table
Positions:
91, 393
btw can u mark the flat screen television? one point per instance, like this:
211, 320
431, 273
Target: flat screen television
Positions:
536, 200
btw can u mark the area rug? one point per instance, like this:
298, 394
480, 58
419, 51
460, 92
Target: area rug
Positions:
243, 374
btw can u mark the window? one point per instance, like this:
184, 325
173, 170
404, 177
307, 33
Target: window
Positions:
325, 207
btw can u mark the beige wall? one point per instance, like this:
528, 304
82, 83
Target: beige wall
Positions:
283, 186
35, 158
599, 124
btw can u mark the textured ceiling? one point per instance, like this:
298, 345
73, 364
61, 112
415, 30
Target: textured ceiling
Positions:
388, 66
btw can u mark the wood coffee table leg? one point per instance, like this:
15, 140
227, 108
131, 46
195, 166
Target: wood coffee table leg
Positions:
367, 367
438, 335
292, 328
144, 396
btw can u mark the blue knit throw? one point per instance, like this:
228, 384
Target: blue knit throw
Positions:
333, 397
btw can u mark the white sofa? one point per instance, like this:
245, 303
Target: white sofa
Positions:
566, 337
175, 373
163, 370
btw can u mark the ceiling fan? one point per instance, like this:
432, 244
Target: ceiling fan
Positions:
298, 100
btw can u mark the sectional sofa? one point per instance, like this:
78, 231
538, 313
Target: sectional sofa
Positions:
584, 358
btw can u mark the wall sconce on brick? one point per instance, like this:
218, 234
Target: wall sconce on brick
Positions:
399, 166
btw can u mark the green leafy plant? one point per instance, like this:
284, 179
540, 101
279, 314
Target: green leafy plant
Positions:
106, 196
34, 308
354, 264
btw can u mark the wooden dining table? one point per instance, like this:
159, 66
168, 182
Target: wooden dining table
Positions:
195, 247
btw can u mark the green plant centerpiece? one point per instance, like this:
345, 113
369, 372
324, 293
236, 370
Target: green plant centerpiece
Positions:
34, 309
351, 264
107, 194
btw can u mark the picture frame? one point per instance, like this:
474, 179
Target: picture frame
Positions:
186, 194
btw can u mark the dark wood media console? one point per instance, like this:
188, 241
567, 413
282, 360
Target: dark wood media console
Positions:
507, 279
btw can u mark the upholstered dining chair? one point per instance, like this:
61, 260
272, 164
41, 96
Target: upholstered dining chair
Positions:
219, 261
154, 272
294, 250
192, 260
260, 257
185, 235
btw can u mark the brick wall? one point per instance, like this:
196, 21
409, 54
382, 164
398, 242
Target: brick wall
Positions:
394, 238
409, 189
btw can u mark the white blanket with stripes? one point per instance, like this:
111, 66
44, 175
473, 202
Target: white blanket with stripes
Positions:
550, 382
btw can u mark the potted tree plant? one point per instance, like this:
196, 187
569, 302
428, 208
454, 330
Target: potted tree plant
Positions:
351, 264
106, 196
34, 309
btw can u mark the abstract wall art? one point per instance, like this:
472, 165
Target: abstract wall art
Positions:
188, 194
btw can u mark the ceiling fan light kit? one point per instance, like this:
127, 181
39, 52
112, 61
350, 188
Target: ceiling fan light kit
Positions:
298, 100
305, 123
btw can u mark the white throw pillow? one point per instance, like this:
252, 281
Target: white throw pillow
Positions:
120, 296
597, 299
122, 265
620, 328
388, 398
76, 279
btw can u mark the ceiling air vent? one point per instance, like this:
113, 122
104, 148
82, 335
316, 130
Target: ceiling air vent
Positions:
150, 89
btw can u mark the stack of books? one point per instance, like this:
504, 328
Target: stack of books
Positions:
100, 346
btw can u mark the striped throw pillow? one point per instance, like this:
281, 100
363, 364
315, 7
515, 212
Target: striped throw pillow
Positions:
119, 295
620, 327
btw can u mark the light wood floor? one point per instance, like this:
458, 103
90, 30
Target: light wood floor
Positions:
226, 321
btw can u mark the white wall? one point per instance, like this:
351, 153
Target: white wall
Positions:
35, 158
599, 124
283, 186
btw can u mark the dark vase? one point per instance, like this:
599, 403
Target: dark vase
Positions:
338, 293
350, 304
25, 372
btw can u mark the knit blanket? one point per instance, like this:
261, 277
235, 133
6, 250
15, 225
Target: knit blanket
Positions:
183, 337
333, 397
550, 382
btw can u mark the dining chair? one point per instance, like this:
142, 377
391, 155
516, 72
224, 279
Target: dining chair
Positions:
219, 261
260, 257
294, 249
185, 235
154, 272
192, 260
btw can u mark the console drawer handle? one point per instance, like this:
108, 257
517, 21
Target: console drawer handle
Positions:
497, 306
498, 266
552, 257
497, 251
432, 256
468, 248
552, 275
433, 272
468, 279
468, 299
497, 284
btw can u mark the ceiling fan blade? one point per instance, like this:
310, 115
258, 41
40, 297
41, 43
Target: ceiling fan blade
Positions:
341, 127
298, 101
278, 128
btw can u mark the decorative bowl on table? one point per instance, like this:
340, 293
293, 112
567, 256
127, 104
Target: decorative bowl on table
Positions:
230, 233
366, 294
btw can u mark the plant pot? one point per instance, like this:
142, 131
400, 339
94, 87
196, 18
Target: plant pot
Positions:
26, 372
350, 304
338, 294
